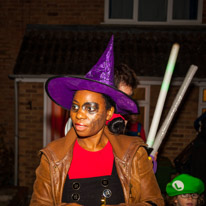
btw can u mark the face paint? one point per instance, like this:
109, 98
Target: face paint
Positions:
91, 107
88, 113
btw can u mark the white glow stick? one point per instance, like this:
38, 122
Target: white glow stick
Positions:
162, 131
163, 93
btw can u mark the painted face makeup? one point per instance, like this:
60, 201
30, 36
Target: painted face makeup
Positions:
88, 113
91, 107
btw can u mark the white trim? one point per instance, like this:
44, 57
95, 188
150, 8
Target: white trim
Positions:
201, 104
169, 11
46, 124
146, 104
200, 11
46, 104
44, 121
43, 80
16, 137
172, 23
106, 10
135, 8
174, 81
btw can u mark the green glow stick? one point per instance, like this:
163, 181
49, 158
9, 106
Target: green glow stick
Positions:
163, 93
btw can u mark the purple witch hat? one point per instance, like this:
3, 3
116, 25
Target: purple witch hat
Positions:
100, 79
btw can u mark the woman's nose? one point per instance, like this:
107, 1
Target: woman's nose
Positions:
81, 114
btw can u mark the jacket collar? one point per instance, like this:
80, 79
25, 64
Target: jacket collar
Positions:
123, 146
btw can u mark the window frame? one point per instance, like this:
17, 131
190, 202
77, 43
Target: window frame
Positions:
146, 104
47, 114
169, 21
201, 104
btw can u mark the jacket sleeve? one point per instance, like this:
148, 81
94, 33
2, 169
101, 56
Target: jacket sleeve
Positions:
144, 186
42, 193
144, 189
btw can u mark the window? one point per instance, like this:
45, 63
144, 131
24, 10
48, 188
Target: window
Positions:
55, 118
153, 12
141, 95
202, 100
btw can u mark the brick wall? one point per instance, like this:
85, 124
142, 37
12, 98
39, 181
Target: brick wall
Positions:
30, 130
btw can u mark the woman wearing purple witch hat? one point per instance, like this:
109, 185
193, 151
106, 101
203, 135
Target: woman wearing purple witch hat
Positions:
92, 165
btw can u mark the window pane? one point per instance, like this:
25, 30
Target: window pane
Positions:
204, 95
139, 94
185, 9
121, 9
59, 117
150, 10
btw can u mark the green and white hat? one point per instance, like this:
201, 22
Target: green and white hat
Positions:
183, 184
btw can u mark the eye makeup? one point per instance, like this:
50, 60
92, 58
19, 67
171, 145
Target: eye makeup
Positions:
90, 107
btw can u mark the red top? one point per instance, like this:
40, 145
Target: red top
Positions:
86, 164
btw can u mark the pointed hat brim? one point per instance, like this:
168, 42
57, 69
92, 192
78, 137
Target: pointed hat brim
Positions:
61, 90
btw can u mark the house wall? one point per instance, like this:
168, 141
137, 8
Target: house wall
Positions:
14, 16
30, 124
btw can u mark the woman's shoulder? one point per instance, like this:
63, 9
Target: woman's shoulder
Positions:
56, 143
123, 140
60, 147
124, 145
131, 139
52, 149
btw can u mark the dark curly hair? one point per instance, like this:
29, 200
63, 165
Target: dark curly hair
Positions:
123, 73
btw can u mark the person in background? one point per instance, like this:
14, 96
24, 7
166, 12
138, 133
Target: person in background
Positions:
192, 159
92, 165
134, 127
125, 79
185, 190
197, 162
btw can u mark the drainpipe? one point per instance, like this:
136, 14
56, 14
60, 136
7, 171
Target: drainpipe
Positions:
16, 137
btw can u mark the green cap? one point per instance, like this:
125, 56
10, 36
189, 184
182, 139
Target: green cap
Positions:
183, 184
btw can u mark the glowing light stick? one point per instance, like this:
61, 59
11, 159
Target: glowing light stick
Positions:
162, 131
163, 93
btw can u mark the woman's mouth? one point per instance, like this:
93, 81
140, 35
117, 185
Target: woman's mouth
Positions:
80, 127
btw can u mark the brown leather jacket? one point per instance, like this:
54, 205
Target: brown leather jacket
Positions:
133, 167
